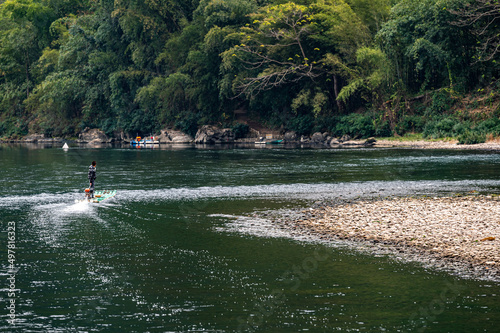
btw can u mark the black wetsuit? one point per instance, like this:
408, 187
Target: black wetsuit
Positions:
92, 177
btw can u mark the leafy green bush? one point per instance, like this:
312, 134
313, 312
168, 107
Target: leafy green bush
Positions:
140, 123
383, 129
441, 101
471, 137
48, 131
441, 128
324, 123
302, 125
489, 126
108, 126
461, 128
355, 125
410, 124
465, 132
3, 128
445, 125
13, 128
240, 130
188, 124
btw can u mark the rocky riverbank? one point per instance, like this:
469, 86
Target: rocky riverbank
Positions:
209, 134
451, 233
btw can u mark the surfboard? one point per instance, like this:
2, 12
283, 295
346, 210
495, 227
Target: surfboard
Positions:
101, 196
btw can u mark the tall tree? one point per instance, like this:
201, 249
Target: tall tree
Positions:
24, 33
427, 50
373, 13
483, 17
288, 43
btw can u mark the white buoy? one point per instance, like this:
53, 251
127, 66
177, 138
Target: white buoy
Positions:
65, 146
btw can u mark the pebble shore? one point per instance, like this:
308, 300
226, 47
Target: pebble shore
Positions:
425, 144
453, 233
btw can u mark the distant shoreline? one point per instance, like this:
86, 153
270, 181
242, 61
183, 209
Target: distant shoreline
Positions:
493, 145
459, 234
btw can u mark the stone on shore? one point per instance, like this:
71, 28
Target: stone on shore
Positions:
290, 136
334, 142
93, 136
209, 134
173, 136
345, 138
370, 142
305, 139
318, 138
33, 138
40, 138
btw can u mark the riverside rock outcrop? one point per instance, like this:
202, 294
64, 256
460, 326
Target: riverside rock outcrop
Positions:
173, 136
318, 138
290, 136
93, 136
34, 138
325, 139
209, 134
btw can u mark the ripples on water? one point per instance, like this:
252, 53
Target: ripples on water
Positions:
298, 191
178, 249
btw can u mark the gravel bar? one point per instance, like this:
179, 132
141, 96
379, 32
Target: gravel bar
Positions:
454, 233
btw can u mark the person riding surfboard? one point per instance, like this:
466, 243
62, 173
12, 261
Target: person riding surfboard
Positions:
92, 177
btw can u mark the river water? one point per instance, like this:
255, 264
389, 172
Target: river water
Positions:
183, 246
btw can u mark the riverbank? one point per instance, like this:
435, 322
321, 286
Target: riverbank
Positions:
210, 135
451, 233
379, 143
180, 138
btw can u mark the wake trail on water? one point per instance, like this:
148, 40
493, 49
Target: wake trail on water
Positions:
65, 202
51, 221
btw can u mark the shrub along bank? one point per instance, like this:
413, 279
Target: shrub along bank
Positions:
470, 119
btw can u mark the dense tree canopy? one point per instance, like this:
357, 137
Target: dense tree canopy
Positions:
135, 66
483, 17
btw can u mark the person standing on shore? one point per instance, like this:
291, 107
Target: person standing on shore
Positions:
92, 177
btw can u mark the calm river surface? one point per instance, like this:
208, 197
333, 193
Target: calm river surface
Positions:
179, 249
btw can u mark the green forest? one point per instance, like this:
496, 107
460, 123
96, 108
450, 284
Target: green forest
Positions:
357, 67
